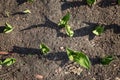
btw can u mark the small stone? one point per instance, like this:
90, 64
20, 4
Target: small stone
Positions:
40, 77
114, 65
117, 78
93, 78
66, 72
0, 67
88, 73
62, 48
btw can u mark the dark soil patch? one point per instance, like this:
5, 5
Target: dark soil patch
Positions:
41, 26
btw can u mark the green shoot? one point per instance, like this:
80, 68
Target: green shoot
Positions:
98, 30
7, 13
64, 23
64, 20
107, 60
118, 1
8, 61
79, 57
45, 49
30, 0
69, 30
27, 11
0, 62
8, 28
91, 2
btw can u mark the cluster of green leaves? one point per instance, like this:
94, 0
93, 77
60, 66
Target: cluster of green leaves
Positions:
44, 48
8, 28
76, 56
64, 20
64, 23
98, 30
79, 57
90, 2
8, 61
106, 60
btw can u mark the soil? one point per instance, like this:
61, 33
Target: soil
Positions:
41, 26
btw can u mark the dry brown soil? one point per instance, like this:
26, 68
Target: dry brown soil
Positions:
41, 26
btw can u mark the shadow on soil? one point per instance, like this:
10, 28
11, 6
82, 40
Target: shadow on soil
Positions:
77, 33
21, 1
107, 3
59, 56
91, 26
86, 30
2, 29
95, 60
114, 27
18, 13
50, 24
68, 4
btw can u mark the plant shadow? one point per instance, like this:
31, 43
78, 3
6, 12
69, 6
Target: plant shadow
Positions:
21, 1
86, 30
59, 56
115, 27
107, 3
50, 24
69, 4
91, 26
18, 13
95, 60
2, 29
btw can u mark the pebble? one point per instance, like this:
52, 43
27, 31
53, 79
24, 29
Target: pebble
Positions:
117, 78
93, 78
0, 67
62, 48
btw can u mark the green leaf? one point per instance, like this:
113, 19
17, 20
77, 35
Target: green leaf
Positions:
64, 20
99, 30
79, 57
9, 61
8, 28
118, 2
45, 49
91, 2
0, 62
30, 0
27, 11
7, 13
69, 31
107, 60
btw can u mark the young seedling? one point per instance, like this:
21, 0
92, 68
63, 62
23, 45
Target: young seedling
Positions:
26, 11
44, 49
79, 57
30, 0
8, 28
118, 1
0, 62
106, 60
64, 23
64, 20
98, 30
69, 31
7, 13
8, 61
91, 2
